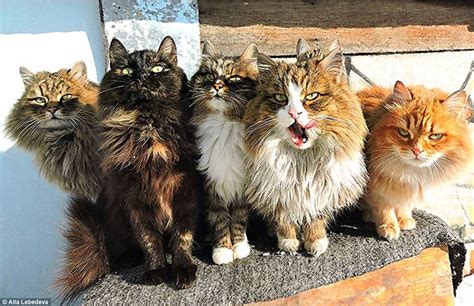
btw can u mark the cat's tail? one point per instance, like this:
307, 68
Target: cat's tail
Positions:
85, 258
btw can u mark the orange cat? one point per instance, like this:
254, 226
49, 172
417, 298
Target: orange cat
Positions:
419, 139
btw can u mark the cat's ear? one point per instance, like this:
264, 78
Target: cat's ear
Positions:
27, 76
402, 92
458, 104
265, 63
79, 71
168, 49
209, 50
249, 56
118, 54
301, 47
333, 62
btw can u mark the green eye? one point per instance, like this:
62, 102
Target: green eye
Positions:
39, 101
157, 69
127, 71
235, 78
66, 97
437, 136
403, 133
281, 98
312, 96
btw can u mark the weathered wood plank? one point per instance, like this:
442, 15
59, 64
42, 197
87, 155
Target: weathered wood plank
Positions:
280, 41
421, 280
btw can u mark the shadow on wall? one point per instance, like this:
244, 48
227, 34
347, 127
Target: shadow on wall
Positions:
30, 215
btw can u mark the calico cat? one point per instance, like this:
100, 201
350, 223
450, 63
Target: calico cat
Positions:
55, 119
418, 141
149, 198
221, 90
305, 133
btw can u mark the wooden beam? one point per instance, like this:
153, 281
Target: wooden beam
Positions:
421, 280
281, 41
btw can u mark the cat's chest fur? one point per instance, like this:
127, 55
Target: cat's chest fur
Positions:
303, 185
221, 145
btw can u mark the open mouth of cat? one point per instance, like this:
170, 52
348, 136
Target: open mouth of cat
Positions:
298, 134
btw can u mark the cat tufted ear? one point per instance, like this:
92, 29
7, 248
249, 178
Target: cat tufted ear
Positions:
333, 62
249, 56
27, 76
118, 54
209, 50
301, 47
168, 50
265, 63
402, 92
458, 104
79, 71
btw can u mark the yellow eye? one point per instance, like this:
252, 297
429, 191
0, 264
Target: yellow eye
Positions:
235, 78
127, 71
437, 136
403, 133
157, 69
66, 97
39, 101
281, 98
312, 96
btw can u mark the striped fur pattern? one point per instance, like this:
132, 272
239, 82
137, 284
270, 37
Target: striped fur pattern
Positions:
56, 120
221, 90
305, 133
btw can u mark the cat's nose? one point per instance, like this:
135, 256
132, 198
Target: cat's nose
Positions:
218, 85
294, 113
52, 109
416, 151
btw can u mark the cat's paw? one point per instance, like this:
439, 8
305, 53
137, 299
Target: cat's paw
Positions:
389, 231
316, 247
290, 245
184, 276
222, 256
407, 223
154, 277
241, 249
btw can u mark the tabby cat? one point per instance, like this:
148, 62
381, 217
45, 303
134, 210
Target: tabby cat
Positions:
150, 197
221, 89
419, 140
305, 133
55, 119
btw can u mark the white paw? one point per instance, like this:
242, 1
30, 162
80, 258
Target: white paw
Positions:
288, 245
316, 247
241, 249
222, 256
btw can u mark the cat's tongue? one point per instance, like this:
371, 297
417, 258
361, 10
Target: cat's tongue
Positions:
298, 135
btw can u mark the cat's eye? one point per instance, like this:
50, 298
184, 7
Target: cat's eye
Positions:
281, 98
127, 71
38, 101
235, 78
157, 69
312, 96
404, 133
436, 136
66, 97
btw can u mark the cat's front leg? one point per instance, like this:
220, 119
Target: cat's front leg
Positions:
151, 242
314, 235
405, 217
219, 220
182, 230
240, 215
386, 223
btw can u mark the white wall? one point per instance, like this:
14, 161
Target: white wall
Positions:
40, 35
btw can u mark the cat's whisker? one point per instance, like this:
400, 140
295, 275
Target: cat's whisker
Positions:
109, 89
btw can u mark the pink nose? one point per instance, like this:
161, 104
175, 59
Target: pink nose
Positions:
294, 113
416, 151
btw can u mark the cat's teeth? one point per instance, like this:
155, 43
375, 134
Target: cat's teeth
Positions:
222, 256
